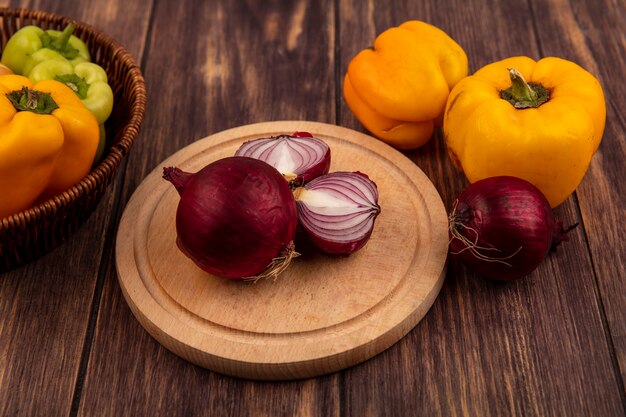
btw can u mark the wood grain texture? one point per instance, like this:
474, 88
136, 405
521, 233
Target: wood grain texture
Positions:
138, 377
324, 313
242, 62
601, 194
45, 307
550, 345
487, 349
127, 22
44, 311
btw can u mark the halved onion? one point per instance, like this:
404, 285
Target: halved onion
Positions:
300, 157
337, 211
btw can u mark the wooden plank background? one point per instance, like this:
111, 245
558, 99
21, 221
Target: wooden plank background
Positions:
553, 344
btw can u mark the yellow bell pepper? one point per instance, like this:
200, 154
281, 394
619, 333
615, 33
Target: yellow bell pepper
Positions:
48, 140
541, 121
398, 89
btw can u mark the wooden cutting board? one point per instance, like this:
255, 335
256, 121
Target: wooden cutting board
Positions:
324, 313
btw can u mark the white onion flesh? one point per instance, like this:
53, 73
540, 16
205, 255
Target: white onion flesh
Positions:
301, 158
338, 210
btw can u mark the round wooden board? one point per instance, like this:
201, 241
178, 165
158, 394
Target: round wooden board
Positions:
321, 315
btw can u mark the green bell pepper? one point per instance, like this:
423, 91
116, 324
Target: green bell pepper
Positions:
86, 79
89, 82
32, 45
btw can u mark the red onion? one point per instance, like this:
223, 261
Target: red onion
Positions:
299, 157
236, 218
301, 135
337, 211
503, 227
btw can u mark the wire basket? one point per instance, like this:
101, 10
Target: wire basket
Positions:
31, 233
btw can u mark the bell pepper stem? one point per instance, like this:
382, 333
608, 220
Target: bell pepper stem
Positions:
520, 89
61, 42
522, 94
32, 100
76, 83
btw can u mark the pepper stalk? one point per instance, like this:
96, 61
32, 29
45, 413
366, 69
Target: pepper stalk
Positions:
524, 95
32, 100
61, 43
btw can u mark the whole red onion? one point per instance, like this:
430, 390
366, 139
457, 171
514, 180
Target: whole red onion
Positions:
236, 218
503, 227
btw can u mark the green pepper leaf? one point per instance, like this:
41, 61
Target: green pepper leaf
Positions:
32, 100
76, 83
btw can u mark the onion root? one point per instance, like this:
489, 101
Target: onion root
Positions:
473, 246
277, 266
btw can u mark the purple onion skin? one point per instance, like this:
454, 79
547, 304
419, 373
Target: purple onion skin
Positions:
508, 214
234, 217
336, 248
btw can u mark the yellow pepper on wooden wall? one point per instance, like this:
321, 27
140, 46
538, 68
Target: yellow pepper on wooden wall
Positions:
398, 88
541, 121
48, 141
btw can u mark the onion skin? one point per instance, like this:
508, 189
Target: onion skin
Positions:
236, 216
335, 248
502, 228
